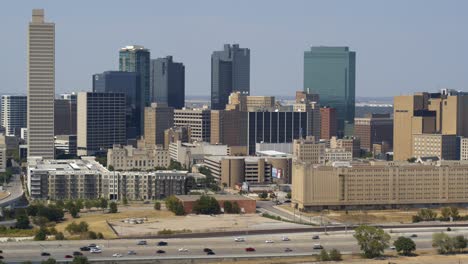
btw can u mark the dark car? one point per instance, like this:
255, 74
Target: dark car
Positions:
44, 254
162, 243
77, 253
91, 245
288, 250
414, 235
160, 251
1, 251
210, 253
85, 248
207, 250
250, 249
68, 256
315, 237
1, 257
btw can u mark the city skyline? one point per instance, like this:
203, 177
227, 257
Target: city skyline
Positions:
427, 34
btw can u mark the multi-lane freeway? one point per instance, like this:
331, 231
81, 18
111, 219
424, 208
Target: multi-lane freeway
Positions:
300, 244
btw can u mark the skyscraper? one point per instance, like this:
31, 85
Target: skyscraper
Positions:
158, 118
230, 71
127, 83
65, 117
331, 73
14, 109
167, 82
41, 86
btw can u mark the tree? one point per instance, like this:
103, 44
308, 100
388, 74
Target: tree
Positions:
175, 165
459, 243
103, 203
442, 242
235, 208
125, 201
157, 206
92, 235
100, 235
49, 261
404, 245
41, 234
60, 204
80, 260
59, 236
425, 215
324, 255
445, 213
69, 205
79, 204
88, 204
335, 255
372, 240
206, 205
74, 211
174, 205
227, 207
113, 208
22, 221
40, 220
263, 195
83, 227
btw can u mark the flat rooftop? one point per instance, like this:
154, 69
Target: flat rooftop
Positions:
219, 197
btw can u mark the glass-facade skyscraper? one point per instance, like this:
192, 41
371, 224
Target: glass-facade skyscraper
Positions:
137, 59
167, 82
331, 73
230, 71
127, 83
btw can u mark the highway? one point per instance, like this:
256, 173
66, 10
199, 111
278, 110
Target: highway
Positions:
300, 243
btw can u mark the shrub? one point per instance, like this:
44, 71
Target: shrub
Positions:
22, 222
113, 208
100, 235
59, 236
41, 234
335, 255
92, 235
157, 206
323, 256
404, 245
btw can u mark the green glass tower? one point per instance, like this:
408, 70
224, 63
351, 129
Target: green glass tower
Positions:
331, 73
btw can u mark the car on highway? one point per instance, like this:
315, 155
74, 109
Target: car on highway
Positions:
68, 256
117, 255
162, 243
131, 252
414, 235
285, 238
183, 250
315, 237
206, 250
210, 253
92, 245
288, 250
239, 239
85, 248
317, 246
269, 241
45, 254
95, 250
160, 251
77, 253
142, 243
250, 249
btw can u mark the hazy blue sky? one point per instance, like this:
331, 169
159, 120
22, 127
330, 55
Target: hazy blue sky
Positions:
401, 46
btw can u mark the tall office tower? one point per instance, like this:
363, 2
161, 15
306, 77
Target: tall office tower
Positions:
158, 118
230, 71
65, 117
229, 128
331, 73
327, 123
41, 86
127, 83
373, 129
167, 82
199, 121
13, 114
101, 122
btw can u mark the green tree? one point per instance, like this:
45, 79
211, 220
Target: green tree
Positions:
59, 236
235, 208
88, 204
324, 255
69, 205
263, 195
49, 261
227, 207
206, 205
41, 234
335, 255
60, 203
83, 227
125, 201
79, 204
100, 235
80, 260
425, 215
40, 220
372, 240
404, 245
445, 213
175, 165
22, 221
443, 243
74, 211
157, 206
103, 203
113, 208
92, 235
459, 243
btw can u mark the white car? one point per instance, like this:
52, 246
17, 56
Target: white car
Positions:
269, 241
285, 238
117, 255
392, 248
239, 239
183, 250
95, 250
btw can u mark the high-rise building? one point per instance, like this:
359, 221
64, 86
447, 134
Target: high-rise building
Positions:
41, 86
158, 118
65, 117
230, 71
199, 121
327, 123
167, 82
331, 73
309, 150
13, 114
374, 128
101, 122
309, 103
229, 128
127, 83
137, 59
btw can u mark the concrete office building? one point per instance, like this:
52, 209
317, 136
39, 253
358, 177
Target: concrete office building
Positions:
350, 144
346, 185
13, 114
229, 128
331, 73
328, 123
337, 154
41, 86
174, 134
65, 145
445, 147
101, 122
199, 121
230, 71
374, 128
189, 154
167, 82
136, 58
427, 113
250, 103
65, 117
158, 118
309, 150
127, 83
142, 158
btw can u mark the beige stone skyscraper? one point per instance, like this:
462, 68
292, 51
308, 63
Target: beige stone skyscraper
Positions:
41, 86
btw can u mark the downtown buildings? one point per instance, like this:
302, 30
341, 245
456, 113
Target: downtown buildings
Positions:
13, 114
167, 82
